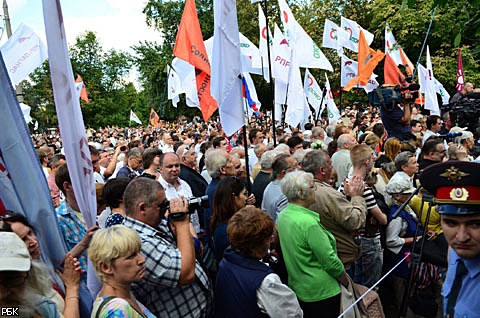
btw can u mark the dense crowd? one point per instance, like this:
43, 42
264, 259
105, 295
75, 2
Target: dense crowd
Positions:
287, 225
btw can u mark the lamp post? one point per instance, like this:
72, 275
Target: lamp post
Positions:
6, 17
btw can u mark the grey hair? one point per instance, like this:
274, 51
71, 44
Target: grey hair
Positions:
134, 152
389, 168
314, 160
282, 148
140, 190
317, 131
299, 154
331, 130
342, 140
296, 184
215, 159
279, 164
267, 159
258, 147
465, 135
402, 159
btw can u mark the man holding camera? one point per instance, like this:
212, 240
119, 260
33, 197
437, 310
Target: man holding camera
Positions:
396, 118
174, 284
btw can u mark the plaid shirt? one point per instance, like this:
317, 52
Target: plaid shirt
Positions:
73, 229
159, 290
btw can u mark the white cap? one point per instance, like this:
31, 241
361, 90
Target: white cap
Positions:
14, 254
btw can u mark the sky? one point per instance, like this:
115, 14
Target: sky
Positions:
119, 24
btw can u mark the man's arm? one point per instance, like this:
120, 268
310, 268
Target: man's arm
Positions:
407, 110
184, 242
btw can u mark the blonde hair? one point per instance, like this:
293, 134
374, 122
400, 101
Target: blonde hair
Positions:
359, 154
111, 243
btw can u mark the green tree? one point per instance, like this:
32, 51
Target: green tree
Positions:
105, 76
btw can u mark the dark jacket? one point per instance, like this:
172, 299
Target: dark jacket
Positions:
238, 279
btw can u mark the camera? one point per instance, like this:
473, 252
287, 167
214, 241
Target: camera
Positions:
389, 97
193, 204
123, 148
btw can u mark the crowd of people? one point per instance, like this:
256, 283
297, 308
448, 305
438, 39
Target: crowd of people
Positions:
283, 225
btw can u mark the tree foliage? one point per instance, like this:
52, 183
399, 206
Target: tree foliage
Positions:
105, 77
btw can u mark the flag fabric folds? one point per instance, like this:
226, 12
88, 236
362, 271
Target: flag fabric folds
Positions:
154, 119
333, 112
174, 86
334, 36
460, 79
264, 33
352, 39
226, 66
391, 73
396, 52
306, 50
439, 89
349, 69
431, 102
82, 89
71, 126
250, 95
23, 187
313, 92
134, 117
23, 53
190, 48
367, 61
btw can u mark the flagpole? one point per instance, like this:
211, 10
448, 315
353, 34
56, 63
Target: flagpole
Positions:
8, 27
272, 92
423, 45
324, 92
245, 144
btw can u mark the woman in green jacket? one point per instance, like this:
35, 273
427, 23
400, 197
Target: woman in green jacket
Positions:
314, 269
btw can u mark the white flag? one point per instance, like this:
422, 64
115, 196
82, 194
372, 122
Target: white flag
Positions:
134, 117
349, 70
394, 49
313, 92
264, 31
333, 112
439, 89
174, 86
353, 36
226, 84
35, 127
281, 55
296, 101
333, 36
26, 112
442, 92
186, 74
70, 119
307, 51
23, 53
431, 102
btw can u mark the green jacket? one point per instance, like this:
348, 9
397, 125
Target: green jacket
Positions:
310, 254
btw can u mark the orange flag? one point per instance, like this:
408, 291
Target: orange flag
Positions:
190, 48
154, 119
83, 92
367, 61
391, 73
406, 62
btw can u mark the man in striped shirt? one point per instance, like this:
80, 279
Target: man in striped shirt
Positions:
368, 268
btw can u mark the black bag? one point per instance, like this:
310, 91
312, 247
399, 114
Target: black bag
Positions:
434, 251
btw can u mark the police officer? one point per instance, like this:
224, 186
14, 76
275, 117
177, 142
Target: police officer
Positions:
456, 189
